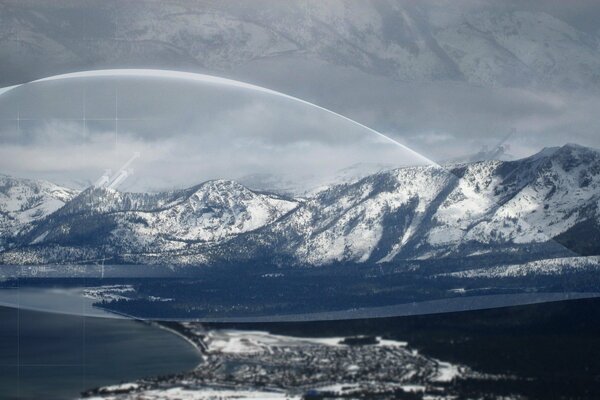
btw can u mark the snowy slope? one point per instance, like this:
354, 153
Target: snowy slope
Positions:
552, 194
541, 206
214, 211
351, 222
23, 201
428, 212
105, 221
491, 45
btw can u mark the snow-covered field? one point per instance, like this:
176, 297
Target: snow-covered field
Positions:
255, 342
180, 393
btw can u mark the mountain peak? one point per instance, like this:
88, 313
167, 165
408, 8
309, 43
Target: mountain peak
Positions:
566, 149
573, 146
420, 211
221, 184
576, 151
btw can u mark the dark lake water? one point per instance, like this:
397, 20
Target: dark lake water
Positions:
54, 356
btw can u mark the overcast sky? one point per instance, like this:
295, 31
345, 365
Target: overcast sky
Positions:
186, 132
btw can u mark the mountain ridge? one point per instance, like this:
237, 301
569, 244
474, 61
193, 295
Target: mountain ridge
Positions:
485, 45
538, 206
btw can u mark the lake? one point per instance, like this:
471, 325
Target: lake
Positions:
56, 356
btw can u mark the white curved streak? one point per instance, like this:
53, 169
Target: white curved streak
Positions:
191, 76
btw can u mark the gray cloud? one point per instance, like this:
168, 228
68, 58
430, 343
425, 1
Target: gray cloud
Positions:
466, 116
186, 132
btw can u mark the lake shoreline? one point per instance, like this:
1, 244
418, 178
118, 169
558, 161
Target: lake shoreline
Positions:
484, 342
57, 356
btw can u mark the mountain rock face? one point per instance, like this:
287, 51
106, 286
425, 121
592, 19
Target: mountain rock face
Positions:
474, 42
543, 206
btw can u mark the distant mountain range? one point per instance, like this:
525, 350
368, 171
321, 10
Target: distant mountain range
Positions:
480, 43
543, 206
25, 201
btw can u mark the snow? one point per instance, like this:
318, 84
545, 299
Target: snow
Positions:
215, 211
537, 201
554, 266
253, 342
489, 45
414, 212
109, 292
121, 387
250, 342
351, 227
182, 393
446, 372
413, 388
339, 389
24, 201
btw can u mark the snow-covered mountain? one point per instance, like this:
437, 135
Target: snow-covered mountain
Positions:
103, 222
475, 42
488, 207
546, 205
24, 201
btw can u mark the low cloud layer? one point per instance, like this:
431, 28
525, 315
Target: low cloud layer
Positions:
444, 120
185, 132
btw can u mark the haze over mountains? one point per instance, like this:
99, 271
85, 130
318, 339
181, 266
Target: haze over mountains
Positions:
543, 206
